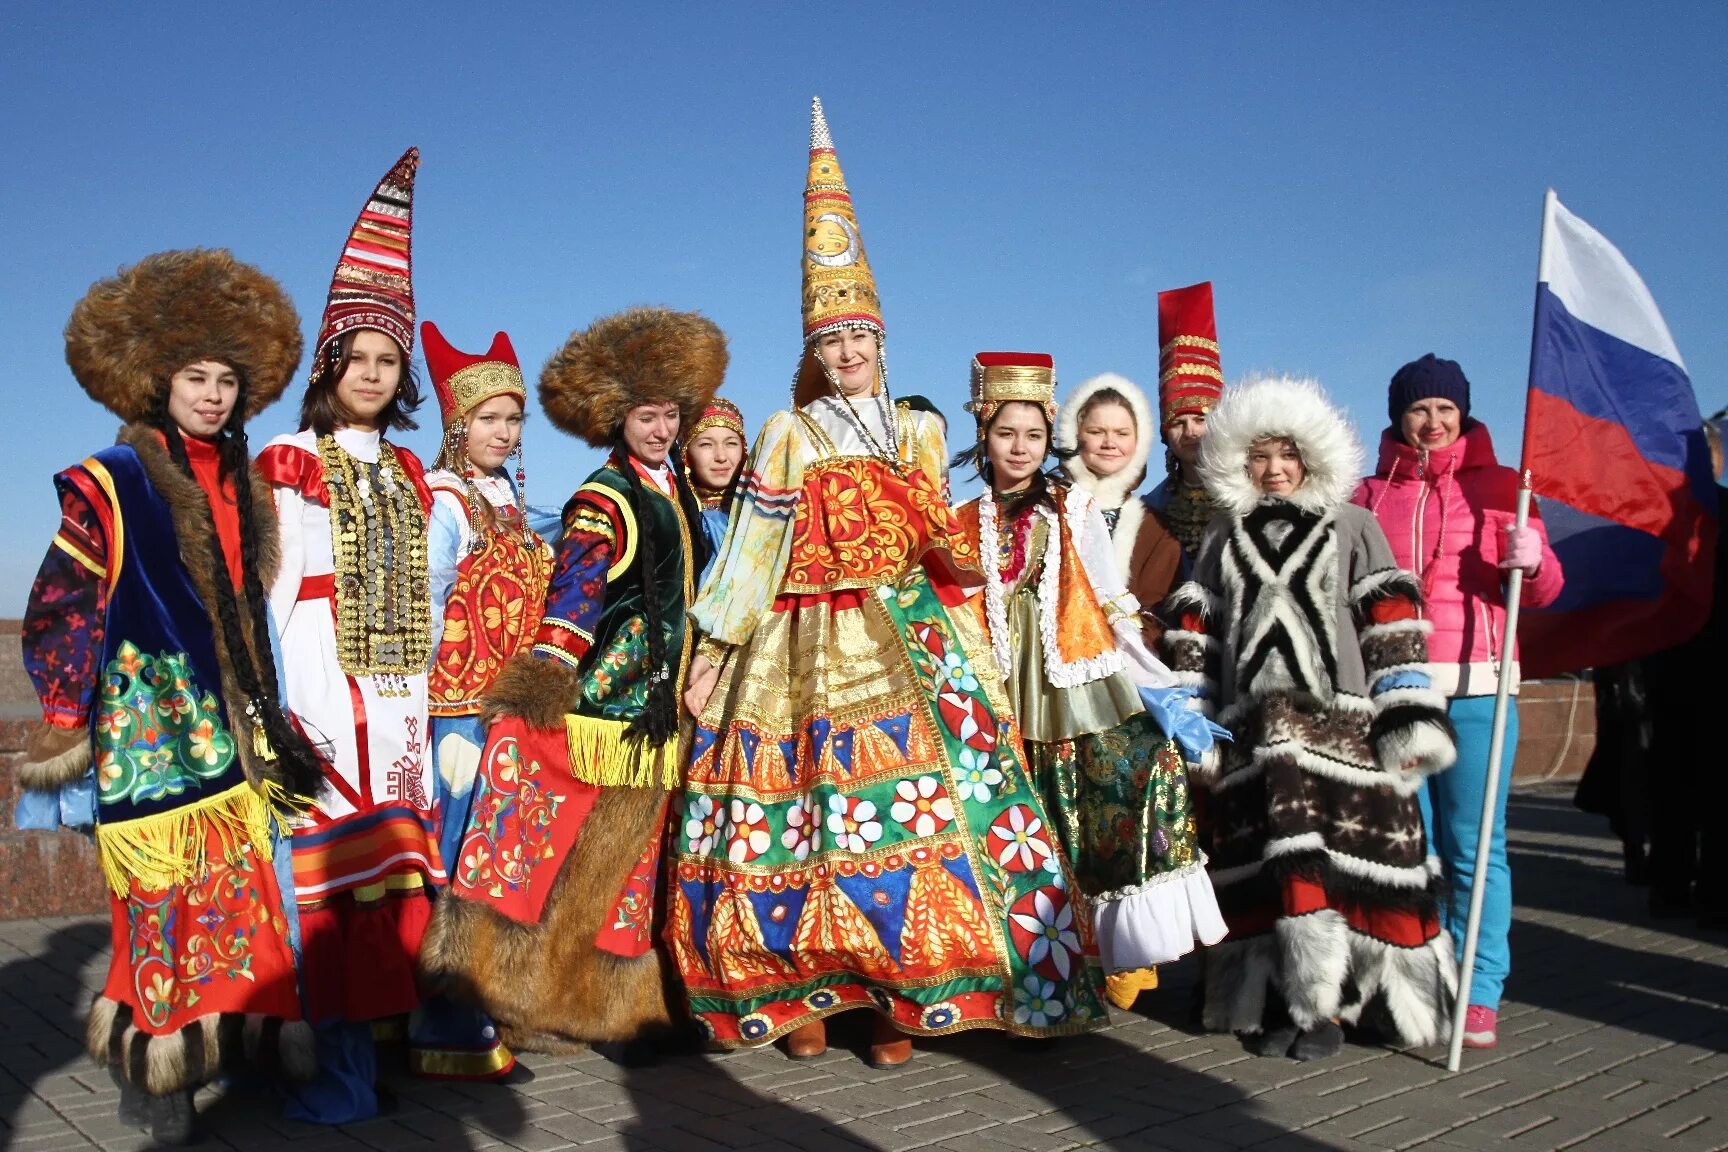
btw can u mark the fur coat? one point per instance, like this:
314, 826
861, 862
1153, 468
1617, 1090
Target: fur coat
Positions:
1304, 638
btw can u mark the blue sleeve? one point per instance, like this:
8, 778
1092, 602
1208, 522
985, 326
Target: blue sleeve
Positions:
443, 541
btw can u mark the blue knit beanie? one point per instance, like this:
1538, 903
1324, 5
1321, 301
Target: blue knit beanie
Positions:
1425, 378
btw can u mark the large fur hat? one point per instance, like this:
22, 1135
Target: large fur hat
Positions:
133, 331
638, 356
1297, 410
1111, 492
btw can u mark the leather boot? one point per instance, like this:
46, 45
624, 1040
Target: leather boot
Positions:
807, 1041
889, 1047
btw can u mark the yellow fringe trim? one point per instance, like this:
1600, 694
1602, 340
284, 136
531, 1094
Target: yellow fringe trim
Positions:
600, 755
171, 848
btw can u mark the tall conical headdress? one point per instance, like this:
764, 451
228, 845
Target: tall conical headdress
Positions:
374, 286
1190, 378
839, 288
464, 382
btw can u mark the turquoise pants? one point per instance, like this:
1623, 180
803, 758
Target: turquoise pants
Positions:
1452, 816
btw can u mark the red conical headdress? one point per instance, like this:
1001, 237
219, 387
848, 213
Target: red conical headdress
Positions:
464, 382
374, 282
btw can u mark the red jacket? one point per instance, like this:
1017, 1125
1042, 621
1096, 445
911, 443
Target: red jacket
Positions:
1445, 513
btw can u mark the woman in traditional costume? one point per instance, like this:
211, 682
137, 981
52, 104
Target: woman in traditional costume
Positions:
858, 827
489, 565
1190, 381
352, 600
714, 455
1104, 433
552, 919
147, 639
1304, 635
1065, 634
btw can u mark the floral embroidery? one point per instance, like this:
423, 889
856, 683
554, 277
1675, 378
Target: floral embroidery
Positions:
512, 809
747, 835
703, 826
803, 833
922, 806
1035, 1003
978, 777
1042, 925
852, 823
157, 734
1017, 840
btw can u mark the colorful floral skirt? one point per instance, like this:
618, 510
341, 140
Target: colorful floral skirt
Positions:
858, 829
1119, 799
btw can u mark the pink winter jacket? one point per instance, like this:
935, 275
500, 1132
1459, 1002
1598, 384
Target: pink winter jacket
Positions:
1445, 513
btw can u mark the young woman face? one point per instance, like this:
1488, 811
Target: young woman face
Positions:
1108, 438
494, 430
370, 375
715, 456
1015, 445
649, 430
1431, 423
851, 354
1182, 435
1276, 467
201, 397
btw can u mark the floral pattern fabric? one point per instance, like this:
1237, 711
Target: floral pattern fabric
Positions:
857, 826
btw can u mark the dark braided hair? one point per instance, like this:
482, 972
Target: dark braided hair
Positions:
256, 676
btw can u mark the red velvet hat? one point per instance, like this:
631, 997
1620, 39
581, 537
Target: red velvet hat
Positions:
1189, 376
464, 382
373, 286
1001, 377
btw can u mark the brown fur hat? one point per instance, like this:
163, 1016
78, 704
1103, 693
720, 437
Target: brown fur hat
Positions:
134, 330
638, 356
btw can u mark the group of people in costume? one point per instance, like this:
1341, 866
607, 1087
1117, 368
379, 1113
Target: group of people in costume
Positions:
735, 740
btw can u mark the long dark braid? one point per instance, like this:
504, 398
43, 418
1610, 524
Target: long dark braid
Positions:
256, 675
659, 718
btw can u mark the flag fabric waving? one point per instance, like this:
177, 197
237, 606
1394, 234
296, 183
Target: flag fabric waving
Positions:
1616, 448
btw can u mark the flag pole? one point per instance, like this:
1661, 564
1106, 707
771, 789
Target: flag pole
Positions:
1502, 702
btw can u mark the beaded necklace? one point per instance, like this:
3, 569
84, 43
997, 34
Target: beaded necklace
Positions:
378, 535
1189, 511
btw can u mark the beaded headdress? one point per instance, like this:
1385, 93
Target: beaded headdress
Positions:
720, 413
1190, 378
839, 288
132, 331
1000, 378
464, 382
373, 285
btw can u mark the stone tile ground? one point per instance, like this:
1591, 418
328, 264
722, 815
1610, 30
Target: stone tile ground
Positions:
1617, 1038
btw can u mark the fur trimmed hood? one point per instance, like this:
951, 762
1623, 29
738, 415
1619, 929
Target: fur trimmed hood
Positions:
638, 356
131, 332
1113, 492
1283, 406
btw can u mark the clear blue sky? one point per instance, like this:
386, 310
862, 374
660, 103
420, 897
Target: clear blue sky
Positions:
1362, 183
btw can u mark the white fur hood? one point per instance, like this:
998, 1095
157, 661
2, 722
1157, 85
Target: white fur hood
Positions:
1297, 409
1113, 492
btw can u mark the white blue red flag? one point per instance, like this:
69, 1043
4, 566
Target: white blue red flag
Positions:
1616, 449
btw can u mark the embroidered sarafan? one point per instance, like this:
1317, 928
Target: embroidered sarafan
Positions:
857, 826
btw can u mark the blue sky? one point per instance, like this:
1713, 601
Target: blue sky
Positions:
1363, 184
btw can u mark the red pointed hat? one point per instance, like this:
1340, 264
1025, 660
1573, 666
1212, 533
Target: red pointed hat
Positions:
1190, 378
464, 382
1001, 377
374, 282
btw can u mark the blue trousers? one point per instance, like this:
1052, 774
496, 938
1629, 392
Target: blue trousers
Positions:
1452, 816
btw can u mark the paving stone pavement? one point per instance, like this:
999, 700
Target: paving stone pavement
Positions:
1616, 1038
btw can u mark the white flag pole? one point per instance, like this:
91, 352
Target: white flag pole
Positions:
1497, 735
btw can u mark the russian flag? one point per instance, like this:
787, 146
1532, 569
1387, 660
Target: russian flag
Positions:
1615, 447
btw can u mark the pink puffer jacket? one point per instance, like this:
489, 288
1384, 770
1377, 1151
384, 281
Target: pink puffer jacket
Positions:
1445, 513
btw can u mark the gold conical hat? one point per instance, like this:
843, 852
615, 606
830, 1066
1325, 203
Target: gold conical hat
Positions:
839, 289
